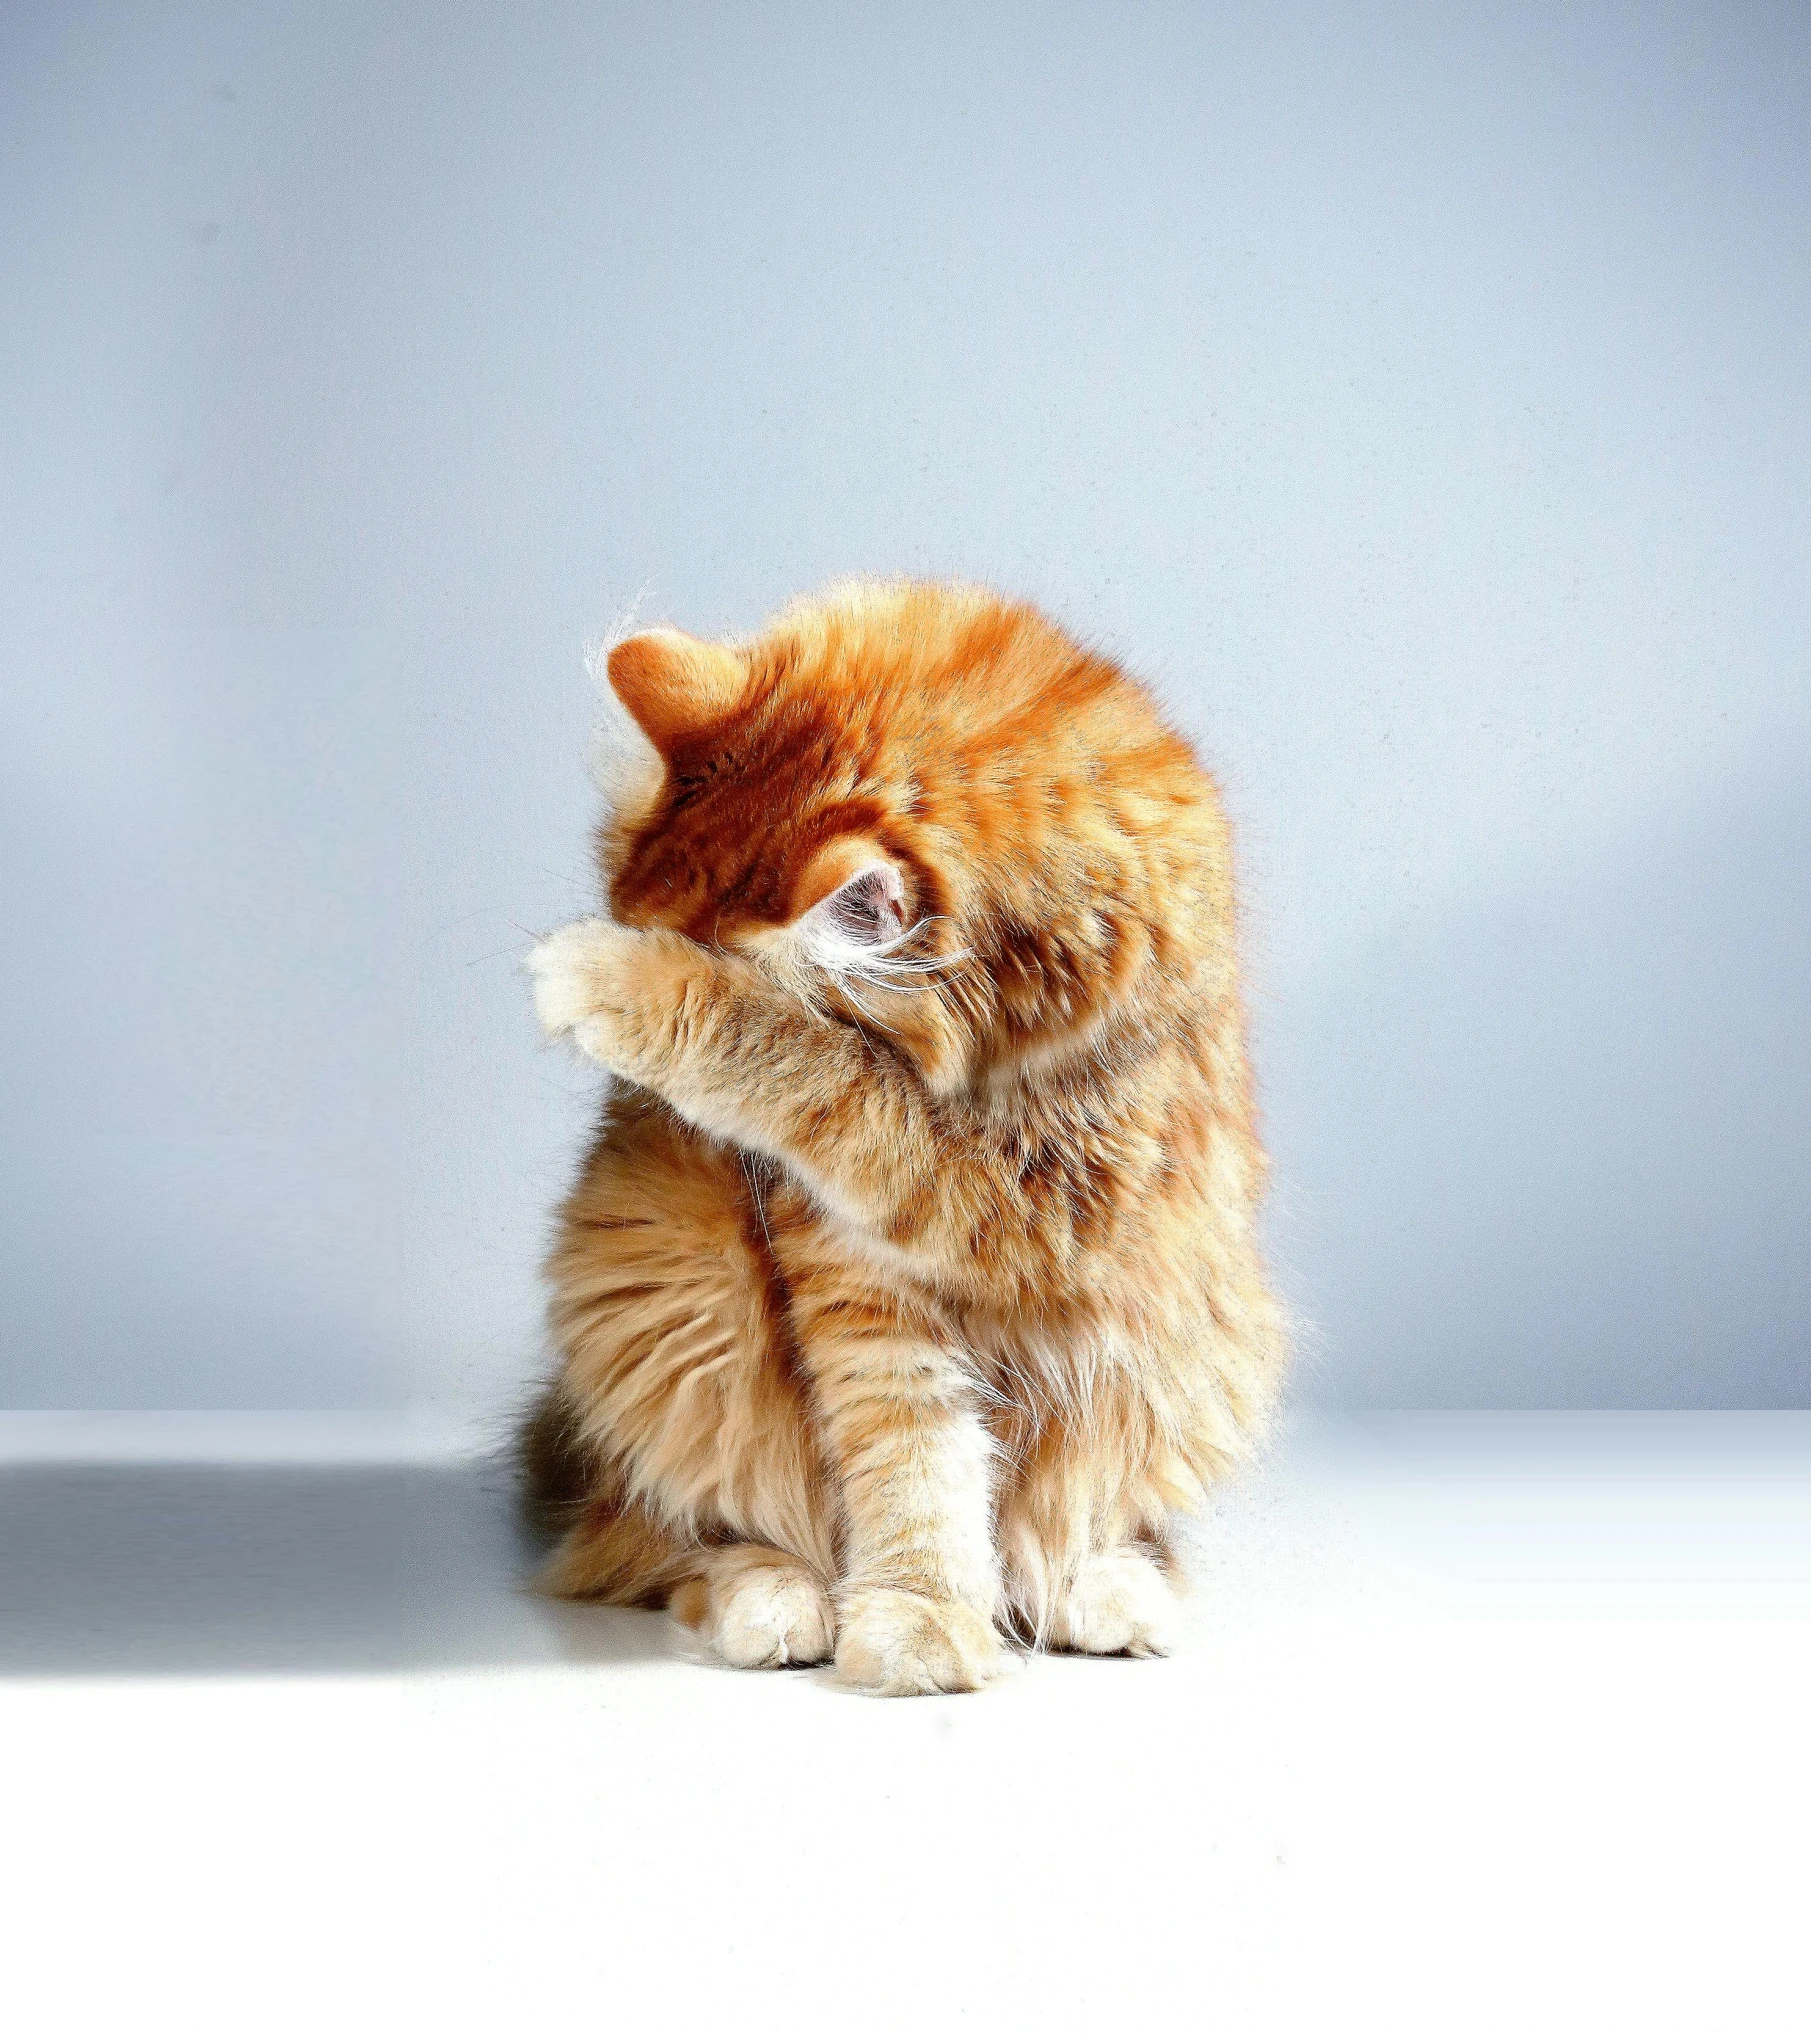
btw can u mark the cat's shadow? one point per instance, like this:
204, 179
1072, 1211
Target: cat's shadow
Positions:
209, 1569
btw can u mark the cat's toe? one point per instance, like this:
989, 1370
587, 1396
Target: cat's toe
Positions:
894, 1642
1119, 1602
561, 968
773, 1616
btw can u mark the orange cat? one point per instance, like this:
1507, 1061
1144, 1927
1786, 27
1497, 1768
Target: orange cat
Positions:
911, 1286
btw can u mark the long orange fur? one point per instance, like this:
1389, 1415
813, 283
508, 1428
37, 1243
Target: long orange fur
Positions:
911, 1286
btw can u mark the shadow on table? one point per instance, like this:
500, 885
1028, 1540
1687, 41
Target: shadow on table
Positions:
137, 1569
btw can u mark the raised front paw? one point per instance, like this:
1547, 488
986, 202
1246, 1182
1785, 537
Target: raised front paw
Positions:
893, 1642
575, 972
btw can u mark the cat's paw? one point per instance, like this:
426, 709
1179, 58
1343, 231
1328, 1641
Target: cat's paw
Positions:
772, 1616
894, 1642
1118, 1602
574, 971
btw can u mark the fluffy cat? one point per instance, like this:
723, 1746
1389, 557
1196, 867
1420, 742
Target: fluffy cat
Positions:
910, 1288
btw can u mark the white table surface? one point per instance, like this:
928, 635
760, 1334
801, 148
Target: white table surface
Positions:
1489, 1720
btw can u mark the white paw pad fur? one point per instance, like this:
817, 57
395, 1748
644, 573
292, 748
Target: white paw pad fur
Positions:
1118, 1602
772, 1616
893, 1642
564, 968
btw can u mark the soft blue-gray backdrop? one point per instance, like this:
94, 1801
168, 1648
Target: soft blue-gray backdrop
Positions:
1417, 395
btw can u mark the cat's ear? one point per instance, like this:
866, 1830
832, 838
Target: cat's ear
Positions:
672, 684
866, 914
849, 903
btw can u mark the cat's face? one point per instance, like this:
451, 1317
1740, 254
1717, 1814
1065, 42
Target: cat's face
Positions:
763, 826
919, 807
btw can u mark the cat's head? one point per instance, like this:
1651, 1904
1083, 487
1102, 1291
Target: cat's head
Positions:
925, 810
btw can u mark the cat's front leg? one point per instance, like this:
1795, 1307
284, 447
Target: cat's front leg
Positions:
742, 1061
914, 1463
584, 976
660, 1010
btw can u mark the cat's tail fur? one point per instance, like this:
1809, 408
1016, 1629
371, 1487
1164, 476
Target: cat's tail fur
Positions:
574, 1507
556, 1473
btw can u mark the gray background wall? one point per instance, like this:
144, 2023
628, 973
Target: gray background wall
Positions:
1417, 396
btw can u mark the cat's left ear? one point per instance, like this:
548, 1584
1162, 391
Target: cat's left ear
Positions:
850, 901
852, 907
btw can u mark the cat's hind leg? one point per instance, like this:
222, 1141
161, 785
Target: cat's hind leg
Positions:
679, 1411
753, 1605
1083, 1530
756, 1606
1117, 1602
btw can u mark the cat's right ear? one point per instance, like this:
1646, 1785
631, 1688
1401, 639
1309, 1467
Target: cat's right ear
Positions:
672, 684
